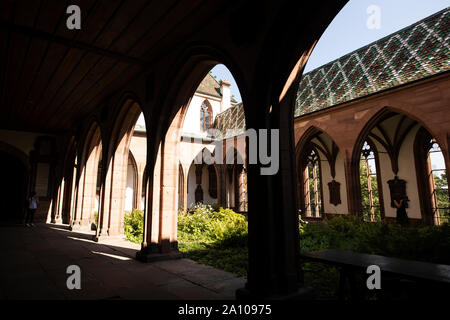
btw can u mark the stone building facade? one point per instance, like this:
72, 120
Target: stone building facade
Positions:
211, 112
386, 105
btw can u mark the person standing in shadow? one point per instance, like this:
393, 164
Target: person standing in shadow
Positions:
402, 216
33, 202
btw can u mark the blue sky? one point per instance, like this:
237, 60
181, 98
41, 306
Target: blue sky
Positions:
349, 31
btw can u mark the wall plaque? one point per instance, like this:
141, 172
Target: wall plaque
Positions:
335, 192
397, 188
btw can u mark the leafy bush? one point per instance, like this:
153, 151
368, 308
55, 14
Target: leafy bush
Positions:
134, 225
216, 237
430, 243
96, 218
207, 234
207, 225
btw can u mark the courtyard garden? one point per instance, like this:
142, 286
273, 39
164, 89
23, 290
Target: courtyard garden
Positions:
218, 237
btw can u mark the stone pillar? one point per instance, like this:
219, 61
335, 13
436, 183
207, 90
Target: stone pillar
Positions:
139, 188
160, 240
104, 205
73, 195
60, 200
116, 211
90, 189
198, 192
352, 178
78, 200
274, 269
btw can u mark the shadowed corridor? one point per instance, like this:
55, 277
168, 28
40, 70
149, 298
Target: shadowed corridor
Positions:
33, 265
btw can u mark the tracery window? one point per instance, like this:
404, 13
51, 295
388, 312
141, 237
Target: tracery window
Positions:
313, 194
437, 175
369, 184
205, 116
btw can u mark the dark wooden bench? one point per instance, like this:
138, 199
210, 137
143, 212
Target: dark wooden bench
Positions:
428, 275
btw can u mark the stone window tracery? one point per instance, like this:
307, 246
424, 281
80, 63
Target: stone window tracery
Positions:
205, 116
371, 206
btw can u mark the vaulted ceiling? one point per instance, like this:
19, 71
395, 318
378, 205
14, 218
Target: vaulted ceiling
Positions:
51, 76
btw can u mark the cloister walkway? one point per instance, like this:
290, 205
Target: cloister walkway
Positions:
33, 263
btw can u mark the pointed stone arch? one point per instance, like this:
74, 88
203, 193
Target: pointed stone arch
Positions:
388, 131
331, 176
425, 181
115, 164
87, 176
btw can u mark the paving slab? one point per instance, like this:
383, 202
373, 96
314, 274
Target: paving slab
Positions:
33, 264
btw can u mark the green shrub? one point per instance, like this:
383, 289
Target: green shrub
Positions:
96, 218
207, 225
134, 225
430, 243
216, 237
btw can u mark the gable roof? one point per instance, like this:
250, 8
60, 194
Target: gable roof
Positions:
211, 86
413, 53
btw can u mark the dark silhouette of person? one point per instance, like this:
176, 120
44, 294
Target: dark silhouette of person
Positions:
402, 216
33, 203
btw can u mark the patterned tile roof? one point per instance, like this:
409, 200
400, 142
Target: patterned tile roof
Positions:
211, 86
230, 122
415, 52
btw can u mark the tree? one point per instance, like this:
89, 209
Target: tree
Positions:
365, 193
442, 198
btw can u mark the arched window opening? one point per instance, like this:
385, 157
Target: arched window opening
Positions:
437, 176
131, 184
313, 194
98, 187
215, 115
205, 116
122, 170
212, 177
369, 184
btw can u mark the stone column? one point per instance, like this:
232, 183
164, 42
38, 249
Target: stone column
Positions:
78, 201
160, 241
274, 269
119, 176
104, 205
90, 189
352, 178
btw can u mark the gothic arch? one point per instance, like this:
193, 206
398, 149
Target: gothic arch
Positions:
425, 182
203, 113
135, 177
67, 186
193, 64
87, 174
392, 144
379, 116
182, 80
112, 196
329, 152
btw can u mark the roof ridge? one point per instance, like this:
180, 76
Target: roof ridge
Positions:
411, 53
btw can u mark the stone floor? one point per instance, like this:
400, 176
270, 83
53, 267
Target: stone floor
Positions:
33, 263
